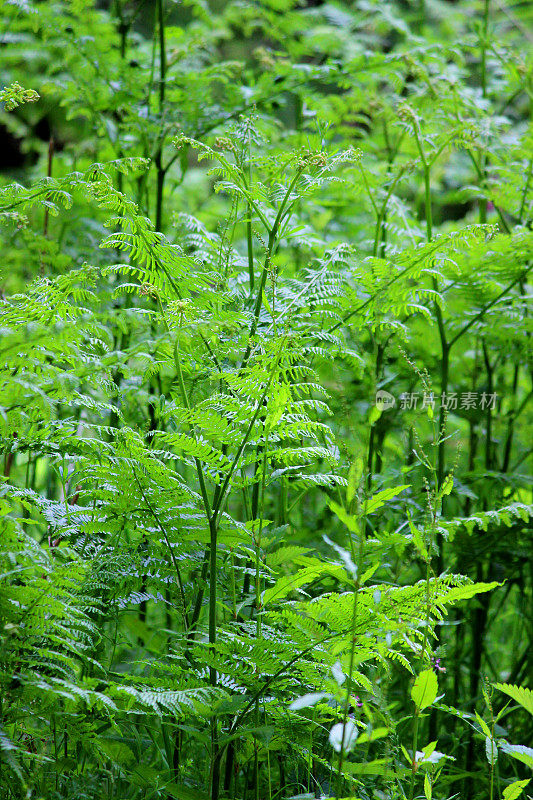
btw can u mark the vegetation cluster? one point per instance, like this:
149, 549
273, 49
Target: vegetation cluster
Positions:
265, 400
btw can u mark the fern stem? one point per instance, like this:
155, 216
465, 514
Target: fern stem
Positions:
215, 760
185, 398
258, 602
213, 531
200, 596
272, 236
370, 455
155, 515
357, 586
525, 191
266, 685
221, 497
158, 160
413, 764
249, 238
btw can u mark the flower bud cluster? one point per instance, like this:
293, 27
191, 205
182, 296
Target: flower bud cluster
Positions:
148, 290
308, 158
406, 113
223, 143
15, 95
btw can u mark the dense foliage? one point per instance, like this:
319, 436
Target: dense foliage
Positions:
265, 394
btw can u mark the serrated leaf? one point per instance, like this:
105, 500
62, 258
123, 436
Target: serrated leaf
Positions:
520, 694
518, 751
447, 486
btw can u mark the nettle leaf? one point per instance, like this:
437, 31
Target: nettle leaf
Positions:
520, 694
518, 751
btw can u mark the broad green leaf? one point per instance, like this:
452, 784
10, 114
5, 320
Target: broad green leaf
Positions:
350, 520
518, 751
378, 766
515, 789
374, 415
425, 688
376, 733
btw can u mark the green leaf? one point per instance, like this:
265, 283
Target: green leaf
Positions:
491, 750
425, 688
484, 727
350, 520
447, 486
518, 751
515, 789
380, 499
457, 593
520, 694
417, 538
291, 583
374, 415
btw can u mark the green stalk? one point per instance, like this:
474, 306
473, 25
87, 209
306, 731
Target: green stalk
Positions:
249, 238
484, 34
258, 603
272, 237
350, 670
216, 753
445, 346
158, 160
215, 760
370, 457
435, 499
357, 586
415, 745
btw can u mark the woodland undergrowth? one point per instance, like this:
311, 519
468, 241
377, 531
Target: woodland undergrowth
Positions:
265, 400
